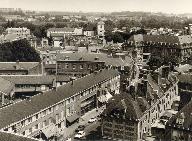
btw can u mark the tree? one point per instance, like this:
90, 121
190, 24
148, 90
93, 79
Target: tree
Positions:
118, 38
18, 50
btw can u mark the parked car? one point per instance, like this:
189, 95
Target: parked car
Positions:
80, 128
92, 120
68, 139
80, 135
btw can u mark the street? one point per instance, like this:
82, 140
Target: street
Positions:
91, 131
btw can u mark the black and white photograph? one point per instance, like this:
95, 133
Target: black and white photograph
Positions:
95, 70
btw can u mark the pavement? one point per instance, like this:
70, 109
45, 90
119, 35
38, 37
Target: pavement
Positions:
70, 131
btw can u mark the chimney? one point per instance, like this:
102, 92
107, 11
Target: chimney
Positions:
144, 85
156, 77
165, 71
96, 58
2, 99
72, 80
132, 91
17, 65
54, 83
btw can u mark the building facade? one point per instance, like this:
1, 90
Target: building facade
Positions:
20, 68
54, 110
134, 116
173, 48
178, 128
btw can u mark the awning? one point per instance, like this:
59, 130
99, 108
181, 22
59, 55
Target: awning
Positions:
102, 98
108, 96
105, 98
72, 118
50, 131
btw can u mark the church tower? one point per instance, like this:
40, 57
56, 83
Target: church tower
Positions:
101, 30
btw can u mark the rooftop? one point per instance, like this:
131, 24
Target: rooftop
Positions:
13, 137
65, 29
91, 57
25, 108
6, 86
20, 65
185, 78
126, 105
29, 79
162, 39
186, 114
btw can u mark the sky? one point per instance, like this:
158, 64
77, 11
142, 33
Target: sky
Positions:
165, 6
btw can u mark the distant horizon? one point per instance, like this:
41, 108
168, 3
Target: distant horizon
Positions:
102, 6
97, 11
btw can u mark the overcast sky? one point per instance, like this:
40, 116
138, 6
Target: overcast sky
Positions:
167, 6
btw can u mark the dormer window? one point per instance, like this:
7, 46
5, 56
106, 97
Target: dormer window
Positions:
180, 119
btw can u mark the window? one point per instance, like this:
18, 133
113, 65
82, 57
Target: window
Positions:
57, 117
66, 66
50, 110
22, 123
29, 119
30, 130
56, 107
36, 126
44, 123
74, 67
81, 66
44, 113
68, 101
37, 116
72, 99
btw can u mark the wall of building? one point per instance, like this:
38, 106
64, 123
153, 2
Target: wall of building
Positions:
78, 67
119, 129
57, 115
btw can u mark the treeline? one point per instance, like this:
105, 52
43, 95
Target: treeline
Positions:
19, 50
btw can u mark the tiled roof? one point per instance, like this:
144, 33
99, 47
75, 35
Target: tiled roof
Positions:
57, 35
50, 66
183, 68
162, 38
185, 78
186, 111
30, 79
118, 61
20, 110
12, 137
22, 65
12, 37
134, 108
62, 78
66, 29
49, 48
6, 86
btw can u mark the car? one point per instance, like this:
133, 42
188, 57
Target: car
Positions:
92, 120
80, 128
80, 135
68, 139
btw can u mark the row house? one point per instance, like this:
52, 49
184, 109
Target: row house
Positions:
178, 128
7, 90
18, 31
185, 88
20, 68
29, 85
79, 64
14, 137
174, 48
63, 31
44, 114
130, 116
